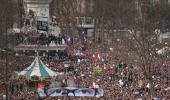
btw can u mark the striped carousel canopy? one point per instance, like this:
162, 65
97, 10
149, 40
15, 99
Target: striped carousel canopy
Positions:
38, 69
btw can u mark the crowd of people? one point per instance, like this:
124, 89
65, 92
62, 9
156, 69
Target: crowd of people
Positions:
93, 62
43, 39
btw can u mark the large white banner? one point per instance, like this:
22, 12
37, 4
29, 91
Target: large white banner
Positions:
63, 91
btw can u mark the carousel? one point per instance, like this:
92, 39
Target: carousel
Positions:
38, 71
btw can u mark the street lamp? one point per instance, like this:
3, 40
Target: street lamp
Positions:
6, 76
5, 97
6, 67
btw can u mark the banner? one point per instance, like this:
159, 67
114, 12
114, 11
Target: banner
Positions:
63, 91
85, 92
55, 92
97, 69
42, 23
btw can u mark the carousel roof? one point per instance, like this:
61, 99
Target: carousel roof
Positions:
38, 68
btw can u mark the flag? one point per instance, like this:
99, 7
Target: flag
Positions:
94, 58
99, 56
94, 85
40, 90
97, 69
40, 85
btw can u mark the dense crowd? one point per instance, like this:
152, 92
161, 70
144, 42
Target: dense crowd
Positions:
42, 39
93, 62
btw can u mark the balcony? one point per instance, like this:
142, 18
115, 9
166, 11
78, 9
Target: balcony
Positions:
23, 47
37, 1
164, 36
85, 22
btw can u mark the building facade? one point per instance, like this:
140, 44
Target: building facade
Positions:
81, 14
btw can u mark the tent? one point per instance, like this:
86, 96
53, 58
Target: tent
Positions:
38, 69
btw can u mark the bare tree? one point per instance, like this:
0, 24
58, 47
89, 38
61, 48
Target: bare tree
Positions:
139, 38
66, 12
143, 41
8, 11
113, 15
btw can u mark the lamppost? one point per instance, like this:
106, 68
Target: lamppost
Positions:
6, 76
6, 66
